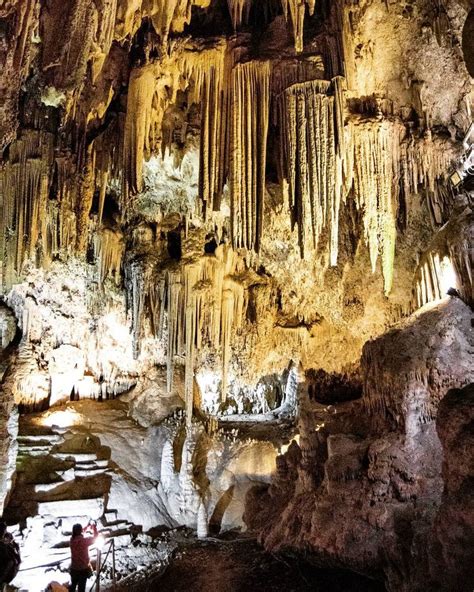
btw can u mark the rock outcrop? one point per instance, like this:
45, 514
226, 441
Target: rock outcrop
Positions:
367, 495
451, 561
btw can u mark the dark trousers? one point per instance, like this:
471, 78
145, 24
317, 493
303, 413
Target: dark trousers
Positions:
79, 579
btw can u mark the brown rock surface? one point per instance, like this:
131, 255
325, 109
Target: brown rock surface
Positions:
370, 500
452, 559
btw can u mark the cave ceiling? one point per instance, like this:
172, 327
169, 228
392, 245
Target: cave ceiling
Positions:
247, 172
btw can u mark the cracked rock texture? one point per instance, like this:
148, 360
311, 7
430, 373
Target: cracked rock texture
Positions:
368, 495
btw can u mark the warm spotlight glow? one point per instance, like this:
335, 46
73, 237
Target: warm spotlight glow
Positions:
435, 277
284, 448
62, 418
448, 276
208, 383
100, 542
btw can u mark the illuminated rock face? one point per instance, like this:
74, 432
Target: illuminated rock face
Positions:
363, 487
91, 460
272, 146
202, 203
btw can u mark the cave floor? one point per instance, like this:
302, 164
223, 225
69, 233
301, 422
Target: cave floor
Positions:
242, 565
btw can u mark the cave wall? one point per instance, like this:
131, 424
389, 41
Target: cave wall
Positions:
205, 202
363, 486
126, 150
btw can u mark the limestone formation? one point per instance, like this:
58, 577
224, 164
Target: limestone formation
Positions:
242, 222
354, 493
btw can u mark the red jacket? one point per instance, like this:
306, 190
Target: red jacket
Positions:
80, 551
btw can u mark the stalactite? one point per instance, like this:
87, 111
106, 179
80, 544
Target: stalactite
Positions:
63, 219
296, 9
86, 196
192, 275
322, 158
174, 300
201, 71
426, 162
204, 303
109, 251
232, 312
137, 125
239, 12
171, 15
209, 72
138, 274
248, 140
285, 75
102, 191
376, 178
24, 187
15, 57
447, 263
313, 125
104, 36
157, 302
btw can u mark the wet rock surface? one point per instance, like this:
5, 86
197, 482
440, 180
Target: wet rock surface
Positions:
452, 549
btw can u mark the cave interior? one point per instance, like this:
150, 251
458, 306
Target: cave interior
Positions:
236, 285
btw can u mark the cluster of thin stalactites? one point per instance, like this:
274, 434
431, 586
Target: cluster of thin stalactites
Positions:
201, 301
326, 156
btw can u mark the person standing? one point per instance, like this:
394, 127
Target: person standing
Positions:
81, 568
9, 557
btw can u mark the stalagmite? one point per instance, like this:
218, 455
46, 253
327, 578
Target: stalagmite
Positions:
202, 520
248, 141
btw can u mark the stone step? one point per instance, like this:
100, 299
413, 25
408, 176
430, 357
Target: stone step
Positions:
118, 526
109, 517
91, 508
39, 438
47, 556
67, 475
36, 450
45, 487
80, 472
93, 464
